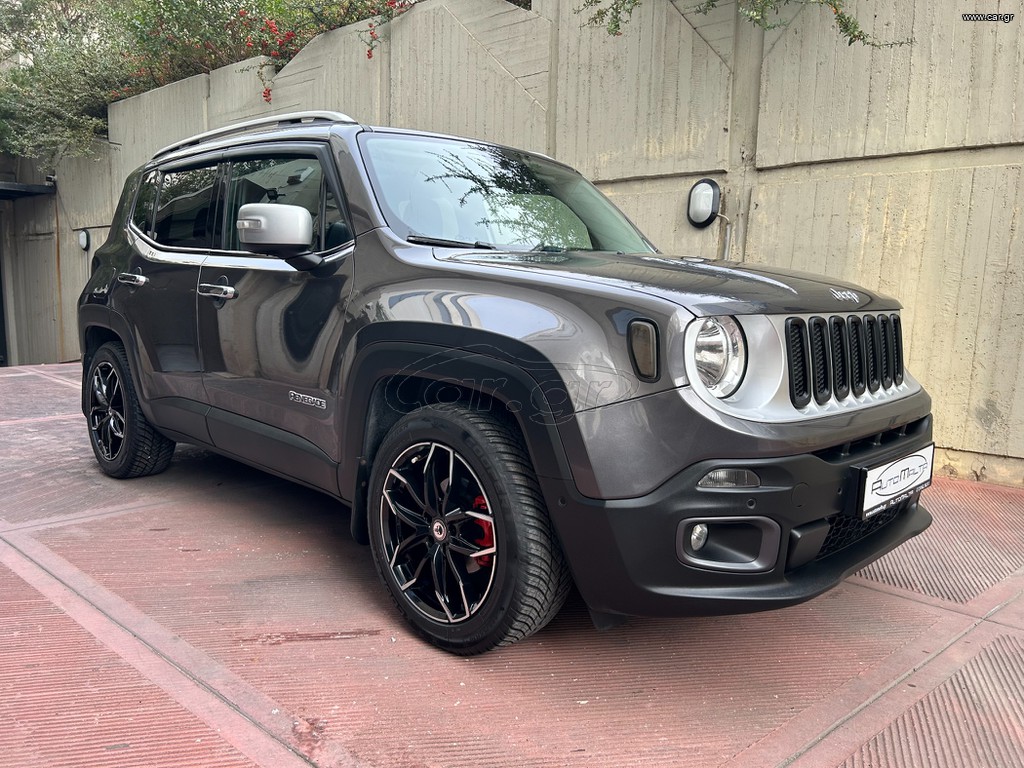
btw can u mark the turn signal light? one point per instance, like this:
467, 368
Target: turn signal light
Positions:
731, 477
643, 348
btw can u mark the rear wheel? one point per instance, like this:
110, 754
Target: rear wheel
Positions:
125, 443
459, 531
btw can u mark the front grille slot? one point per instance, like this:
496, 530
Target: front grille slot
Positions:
834, 358
887, 348
840, 357
821, 366
858, 354
872, 352
799, 362
897, 335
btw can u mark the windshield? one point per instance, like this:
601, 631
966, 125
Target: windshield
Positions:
476, 194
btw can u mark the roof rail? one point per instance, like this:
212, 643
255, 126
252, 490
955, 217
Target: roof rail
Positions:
291, 118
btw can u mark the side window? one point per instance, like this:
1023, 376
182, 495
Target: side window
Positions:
145, 201
287, 180
183, 215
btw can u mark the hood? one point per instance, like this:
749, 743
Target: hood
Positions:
702, 286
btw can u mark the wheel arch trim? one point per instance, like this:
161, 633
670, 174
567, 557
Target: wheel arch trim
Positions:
525, 383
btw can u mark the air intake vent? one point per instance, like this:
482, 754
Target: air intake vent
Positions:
843, 356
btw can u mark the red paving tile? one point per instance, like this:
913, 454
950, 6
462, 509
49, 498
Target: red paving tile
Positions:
972, 719
969, 549
68, 700
250, 610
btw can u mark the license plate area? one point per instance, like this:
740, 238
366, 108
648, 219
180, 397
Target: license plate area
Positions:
883, 486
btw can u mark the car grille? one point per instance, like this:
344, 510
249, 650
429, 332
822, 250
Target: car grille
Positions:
845, 530
836, 357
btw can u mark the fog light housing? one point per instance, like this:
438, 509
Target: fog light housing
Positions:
698, 537
740, 544
730, 477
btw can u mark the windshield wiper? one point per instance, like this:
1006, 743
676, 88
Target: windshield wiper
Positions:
543, 247
441, 242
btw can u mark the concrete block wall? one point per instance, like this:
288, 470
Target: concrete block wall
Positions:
897, 168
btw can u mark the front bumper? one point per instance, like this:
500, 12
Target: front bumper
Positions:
792, 538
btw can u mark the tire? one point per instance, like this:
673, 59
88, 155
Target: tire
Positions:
459, 532
125, 443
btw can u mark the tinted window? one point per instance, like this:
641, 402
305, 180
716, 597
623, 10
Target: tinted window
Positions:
183, 215
287, 180
142, 216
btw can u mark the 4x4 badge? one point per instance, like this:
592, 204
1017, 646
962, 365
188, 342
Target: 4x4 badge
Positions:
298, 397
845, 295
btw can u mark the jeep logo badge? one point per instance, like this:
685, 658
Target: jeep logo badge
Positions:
846, 295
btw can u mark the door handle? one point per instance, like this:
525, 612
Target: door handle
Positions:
131, 278
217, 291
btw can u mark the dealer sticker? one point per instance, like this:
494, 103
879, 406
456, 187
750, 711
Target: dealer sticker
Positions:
893, 483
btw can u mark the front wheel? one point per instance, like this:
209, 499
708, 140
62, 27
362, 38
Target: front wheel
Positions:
459, 532
125, 443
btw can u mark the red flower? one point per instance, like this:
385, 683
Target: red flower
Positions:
266, 95
274, 53
243, 12
369, 54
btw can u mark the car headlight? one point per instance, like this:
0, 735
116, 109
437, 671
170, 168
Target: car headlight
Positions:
720, 354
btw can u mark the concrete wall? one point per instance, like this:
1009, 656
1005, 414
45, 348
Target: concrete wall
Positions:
897, 168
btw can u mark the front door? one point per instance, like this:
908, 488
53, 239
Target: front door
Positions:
270, 335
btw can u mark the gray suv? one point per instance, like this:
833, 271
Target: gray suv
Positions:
513, 390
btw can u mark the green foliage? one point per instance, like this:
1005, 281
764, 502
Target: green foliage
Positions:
63, 61
54, 72
612, 14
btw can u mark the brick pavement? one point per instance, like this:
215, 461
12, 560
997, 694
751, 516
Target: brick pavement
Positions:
217, 616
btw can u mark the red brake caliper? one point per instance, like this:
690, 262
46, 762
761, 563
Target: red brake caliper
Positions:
487, 539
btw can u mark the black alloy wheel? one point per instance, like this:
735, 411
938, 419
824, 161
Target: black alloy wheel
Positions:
438, 533
106, 411
125, 443
459, 532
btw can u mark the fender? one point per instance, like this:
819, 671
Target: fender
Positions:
178, 419
102, 316
389, 355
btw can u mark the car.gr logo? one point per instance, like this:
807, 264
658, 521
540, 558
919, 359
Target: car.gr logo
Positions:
845, 295
900, 475
301, 399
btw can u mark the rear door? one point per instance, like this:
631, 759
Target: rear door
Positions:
269, 335
171, 233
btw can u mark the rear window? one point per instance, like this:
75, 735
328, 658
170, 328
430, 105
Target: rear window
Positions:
184, 215
145, 201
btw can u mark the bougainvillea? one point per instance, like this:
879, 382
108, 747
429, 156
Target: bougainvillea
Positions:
68, 59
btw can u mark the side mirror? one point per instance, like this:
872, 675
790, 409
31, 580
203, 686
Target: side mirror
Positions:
705, 203
284, 231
